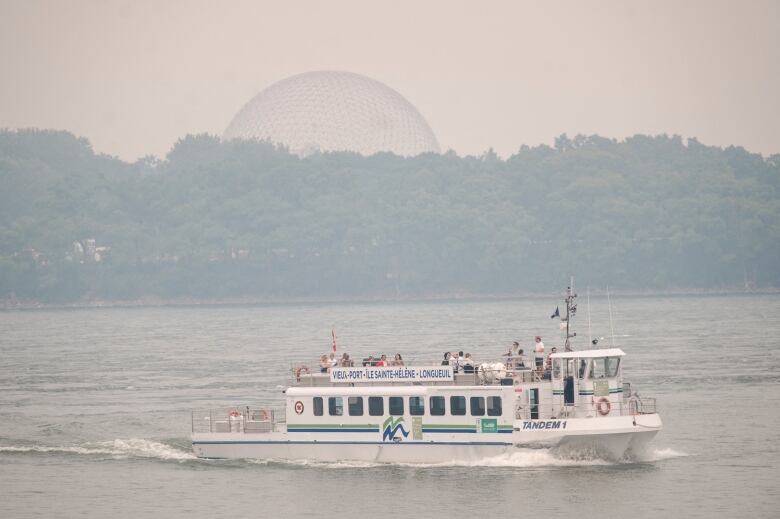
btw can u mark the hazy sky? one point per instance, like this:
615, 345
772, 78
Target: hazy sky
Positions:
135, 76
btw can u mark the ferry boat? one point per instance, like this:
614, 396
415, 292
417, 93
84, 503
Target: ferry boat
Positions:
431, 413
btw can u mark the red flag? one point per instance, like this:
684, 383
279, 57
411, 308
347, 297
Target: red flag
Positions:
333, 333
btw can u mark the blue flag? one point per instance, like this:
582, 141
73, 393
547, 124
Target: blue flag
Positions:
556, 314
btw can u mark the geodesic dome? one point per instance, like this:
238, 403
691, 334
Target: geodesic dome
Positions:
334, 111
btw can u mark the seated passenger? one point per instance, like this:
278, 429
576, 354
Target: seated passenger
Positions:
446, 361
519, 360
468, 364
382, 361
398, 361
345, 361
369, 361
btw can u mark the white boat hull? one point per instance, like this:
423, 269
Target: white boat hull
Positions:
611, 437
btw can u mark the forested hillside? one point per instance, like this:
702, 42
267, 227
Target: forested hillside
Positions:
244, 219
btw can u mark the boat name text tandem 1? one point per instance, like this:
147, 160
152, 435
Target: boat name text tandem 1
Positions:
391, 374
544, 424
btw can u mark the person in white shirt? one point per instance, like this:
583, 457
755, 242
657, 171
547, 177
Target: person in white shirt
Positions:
539, 352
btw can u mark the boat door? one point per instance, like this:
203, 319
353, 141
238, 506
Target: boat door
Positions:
564, 382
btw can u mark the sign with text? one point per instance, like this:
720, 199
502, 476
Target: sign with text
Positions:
392, 374
600, 388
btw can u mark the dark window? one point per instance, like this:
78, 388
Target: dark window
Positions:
317, 406
416, 405
376, 405
335, 406
458, 405
477, 406
494, 406
355, 404
437, 405
396, 405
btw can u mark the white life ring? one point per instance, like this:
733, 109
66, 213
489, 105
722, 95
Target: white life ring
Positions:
603, 406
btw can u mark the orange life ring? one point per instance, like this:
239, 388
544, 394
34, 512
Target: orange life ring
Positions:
299, 370
603, 406
234, 413
263, 414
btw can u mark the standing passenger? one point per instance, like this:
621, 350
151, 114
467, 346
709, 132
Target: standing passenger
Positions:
324, 364
539, 352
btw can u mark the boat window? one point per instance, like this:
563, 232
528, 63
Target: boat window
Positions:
583, 368
416, 405
477, 405
396, 405
335, 406
612, 364
556, 369
605, 367
458, 405
317, 406
376, 406
494, 406
436, 404
355, 404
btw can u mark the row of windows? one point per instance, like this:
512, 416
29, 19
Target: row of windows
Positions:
478, 405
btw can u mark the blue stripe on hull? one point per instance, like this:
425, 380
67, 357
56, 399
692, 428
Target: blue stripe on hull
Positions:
312, 442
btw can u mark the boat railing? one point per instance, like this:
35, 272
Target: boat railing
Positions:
240, 419
559, 410
309, 375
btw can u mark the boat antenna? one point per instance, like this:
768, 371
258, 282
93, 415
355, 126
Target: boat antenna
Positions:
571, 311
611, 326
590, 335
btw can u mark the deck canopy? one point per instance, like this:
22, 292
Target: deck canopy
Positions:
588, 354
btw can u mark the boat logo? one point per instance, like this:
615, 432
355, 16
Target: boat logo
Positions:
299, 407
391, 428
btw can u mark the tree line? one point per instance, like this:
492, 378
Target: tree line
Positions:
217, 219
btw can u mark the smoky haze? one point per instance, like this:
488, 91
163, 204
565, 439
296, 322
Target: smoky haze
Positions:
134, 77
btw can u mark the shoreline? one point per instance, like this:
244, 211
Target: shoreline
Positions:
154, 302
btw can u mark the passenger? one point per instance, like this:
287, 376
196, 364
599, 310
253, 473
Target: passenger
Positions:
369, 361
382, 361
446, 361
548, 362
468, 364
539, 352
511, 352
324, 364
398, 361
520, 360
333, 360
345, 361
454, 361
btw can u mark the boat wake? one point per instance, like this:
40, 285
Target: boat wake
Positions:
519, 458
117, 449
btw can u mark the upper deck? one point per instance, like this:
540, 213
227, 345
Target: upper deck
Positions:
511, 370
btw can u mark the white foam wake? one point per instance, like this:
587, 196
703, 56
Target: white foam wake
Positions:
132, 448
517, 458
